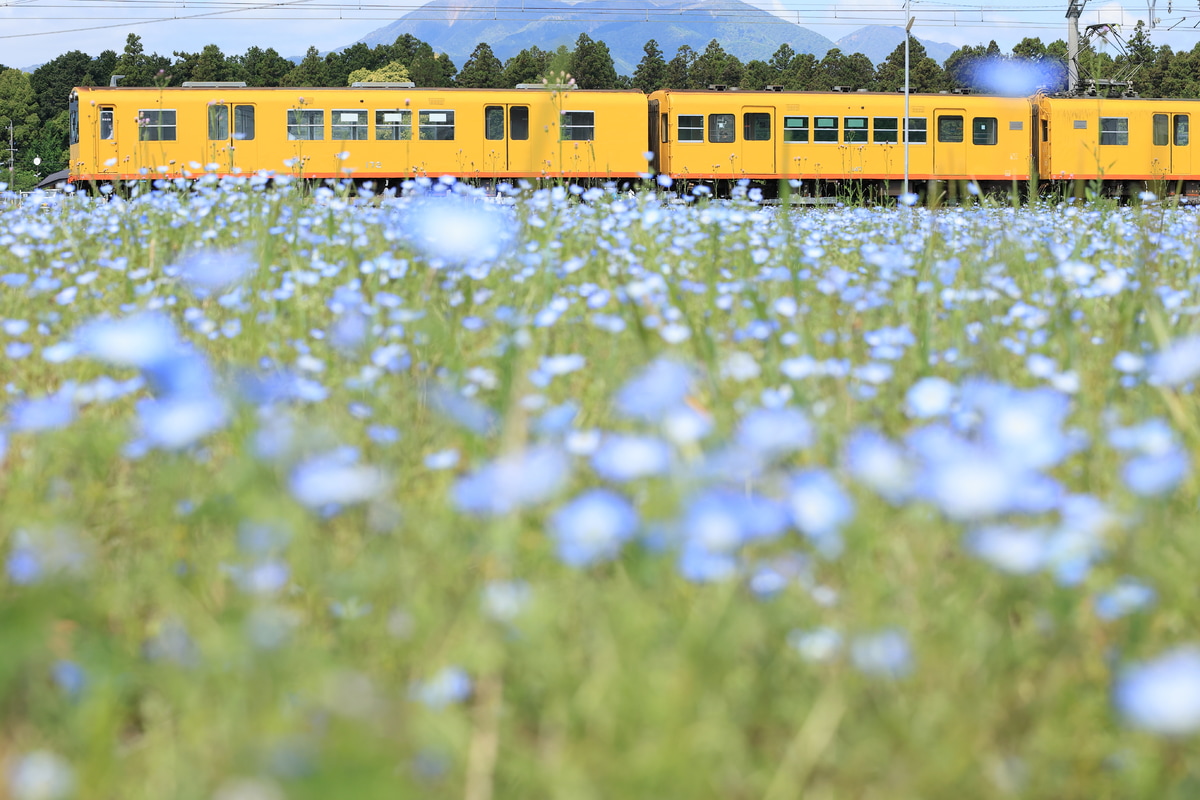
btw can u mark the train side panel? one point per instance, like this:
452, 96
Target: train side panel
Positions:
1126, 141
841, 136
367, 133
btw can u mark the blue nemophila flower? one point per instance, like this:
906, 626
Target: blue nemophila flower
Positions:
69, 676
818, 645
512, 482
468, 413
659, 388
450, 685
884, 654
880, 464
42, 414
209, 271
1162, 695
930, 397
1159, 473
143, 340
623, 457
458, 231
1176, 364
1021, 551
593, 527
1126, 596
176, 422
819, 508
41, 775
504, 601
1025, 427
38, 554
773, 432
335, 479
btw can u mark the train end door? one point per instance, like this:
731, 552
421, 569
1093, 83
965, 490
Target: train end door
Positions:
1181, 152
1160, 146
105, 141
506, 134
758, 148
231, 136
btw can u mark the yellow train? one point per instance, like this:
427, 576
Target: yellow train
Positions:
820, 139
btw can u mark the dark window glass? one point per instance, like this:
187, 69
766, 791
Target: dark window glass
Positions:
720, 128
691, 127
243, 122
74, 122
436, 125
950, 129
493, 123
756, 127
856, 129
1162, 135
393, 124
1181, 130
156, 125
106, 123
218, 122
795, 129
826, 129
983, 130
887, 130
1114, 130
918, 130
1045, 130
348, 126
306, 124
578, 126
518, 123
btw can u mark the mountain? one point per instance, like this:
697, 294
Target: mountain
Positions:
454, 29
877, 42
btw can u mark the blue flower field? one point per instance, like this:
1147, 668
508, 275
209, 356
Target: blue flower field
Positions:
580, 493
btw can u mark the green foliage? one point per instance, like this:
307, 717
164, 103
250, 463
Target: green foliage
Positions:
679, 68
395, 72
651, 72
482, 70
258, 67
715, 67
527, 66
591, 64
924, 73
311, 71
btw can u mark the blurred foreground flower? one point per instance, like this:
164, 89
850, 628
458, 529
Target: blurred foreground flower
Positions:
41, 775
1162, 695
592, 527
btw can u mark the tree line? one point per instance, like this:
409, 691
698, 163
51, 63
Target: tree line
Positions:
36, 103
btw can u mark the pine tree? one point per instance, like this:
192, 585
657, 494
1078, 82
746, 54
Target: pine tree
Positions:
679, 68
592, 64
758, 75
309, 72
482, 70
258, 67
527, 66
651, 72
924, 73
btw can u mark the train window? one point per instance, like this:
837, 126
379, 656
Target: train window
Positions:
1181, 130
756, 127
156, 125
74, 121
795, 129
348, 126
218, 122
578, 126
243, 122
826, 129
1162, 134
1114, 130
950, 129
887, 130
493, 123
518, 123
856, 129
393, 124
983, 130
1045, 130
720, 128
691, 127
436, 125
306, 124
106, 123
918, 130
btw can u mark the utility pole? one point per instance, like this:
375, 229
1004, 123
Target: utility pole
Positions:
12, 157
908, 23
1074, 10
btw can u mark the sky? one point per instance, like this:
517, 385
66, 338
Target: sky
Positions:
35, 31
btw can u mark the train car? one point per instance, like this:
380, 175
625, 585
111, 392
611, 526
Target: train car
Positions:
836, 137
1127, 144
368, 132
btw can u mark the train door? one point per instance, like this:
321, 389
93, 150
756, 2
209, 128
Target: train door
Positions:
949, 143
231, 136
1160, 145
105, 140
506, 133
1181, 153
758, 150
